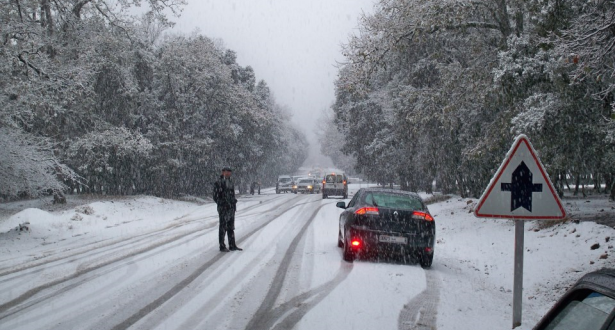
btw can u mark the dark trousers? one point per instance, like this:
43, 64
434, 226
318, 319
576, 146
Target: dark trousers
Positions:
227, 226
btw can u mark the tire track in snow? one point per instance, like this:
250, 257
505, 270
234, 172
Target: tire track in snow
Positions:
144, 311
4, 307
421, 312
262, 319
30, 293
202, 317
118, 243
78, 281
288, 314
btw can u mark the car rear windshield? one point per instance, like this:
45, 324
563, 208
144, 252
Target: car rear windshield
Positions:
334, 178
391, 200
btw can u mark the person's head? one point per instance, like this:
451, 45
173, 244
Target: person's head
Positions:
226, 172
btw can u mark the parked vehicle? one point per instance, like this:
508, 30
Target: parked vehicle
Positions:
284, 184
335, 184
308, 185
588, 305
378, 221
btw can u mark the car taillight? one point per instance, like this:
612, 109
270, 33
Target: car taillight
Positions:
344, 181
355, 243
323, 181
422, 216
367, 210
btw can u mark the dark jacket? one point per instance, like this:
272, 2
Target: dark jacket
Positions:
224, 193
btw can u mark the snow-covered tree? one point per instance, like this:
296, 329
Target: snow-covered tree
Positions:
29, 167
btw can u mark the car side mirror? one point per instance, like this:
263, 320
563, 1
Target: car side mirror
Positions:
341, 205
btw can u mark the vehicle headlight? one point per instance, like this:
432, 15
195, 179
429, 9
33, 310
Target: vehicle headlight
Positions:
309, 187
295, 187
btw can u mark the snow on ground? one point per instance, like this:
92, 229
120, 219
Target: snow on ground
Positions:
475, 259
112, 258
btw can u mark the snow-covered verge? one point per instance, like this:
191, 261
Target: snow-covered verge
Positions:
474, 258
45, 232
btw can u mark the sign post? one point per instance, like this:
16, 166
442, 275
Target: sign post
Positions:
520, 190
518, 278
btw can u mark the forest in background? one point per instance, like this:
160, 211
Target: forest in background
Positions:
438, 89
94, 100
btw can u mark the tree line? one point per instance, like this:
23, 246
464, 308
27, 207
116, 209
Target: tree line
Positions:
438, 89
96, 100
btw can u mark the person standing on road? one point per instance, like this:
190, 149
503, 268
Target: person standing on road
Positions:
224, 196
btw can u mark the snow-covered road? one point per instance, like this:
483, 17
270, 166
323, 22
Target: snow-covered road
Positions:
149, 263
169, 275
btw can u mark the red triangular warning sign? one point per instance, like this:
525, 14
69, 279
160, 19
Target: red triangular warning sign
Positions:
521, 188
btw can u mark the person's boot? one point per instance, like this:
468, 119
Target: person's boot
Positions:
231, 241
223, 249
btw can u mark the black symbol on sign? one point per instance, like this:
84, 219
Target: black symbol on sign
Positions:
521, 188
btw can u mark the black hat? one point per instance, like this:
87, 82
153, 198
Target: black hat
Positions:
227, 169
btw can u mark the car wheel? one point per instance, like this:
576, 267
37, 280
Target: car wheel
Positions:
339, 239
425, 260
324, 196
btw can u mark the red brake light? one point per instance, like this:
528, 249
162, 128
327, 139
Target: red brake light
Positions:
367, 210
355, 243
344, 181
422, 215
323, 181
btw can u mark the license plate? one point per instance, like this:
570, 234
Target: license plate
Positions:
393, 239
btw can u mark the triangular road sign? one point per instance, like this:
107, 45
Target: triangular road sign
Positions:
521, 188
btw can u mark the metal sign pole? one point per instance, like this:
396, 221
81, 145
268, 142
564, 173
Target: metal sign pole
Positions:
518, 280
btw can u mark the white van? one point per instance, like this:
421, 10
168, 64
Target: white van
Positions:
284, 184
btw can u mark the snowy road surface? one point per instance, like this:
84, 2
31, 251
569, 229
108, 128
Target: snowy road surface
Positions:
148, 263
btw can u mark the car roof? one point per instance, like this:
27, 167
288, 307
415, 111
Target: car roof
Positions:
603, 279
391, 191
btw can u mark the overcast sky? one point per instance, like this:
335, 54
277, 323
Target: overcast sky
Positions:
292, 44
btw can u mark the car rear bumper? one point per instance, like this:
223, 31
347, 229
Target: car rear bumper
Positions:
370, 242
334, 192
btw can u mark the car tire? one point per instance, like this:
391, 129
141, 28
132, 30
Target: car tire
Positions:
425, 260
348, 255
324, 196
339, 239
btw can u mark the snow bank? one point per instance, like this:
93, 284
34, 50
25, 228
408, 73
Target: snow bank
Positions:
32, 217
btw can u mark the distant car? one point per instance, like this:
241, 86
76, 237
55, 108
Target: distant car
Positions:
385, 221
335, 184
588, 305
295, 182
284, 184
309, 185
